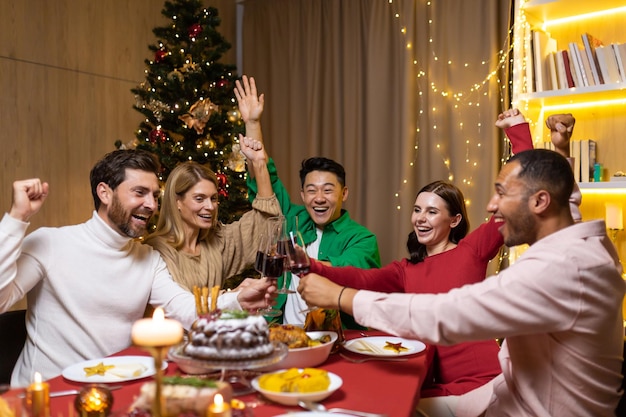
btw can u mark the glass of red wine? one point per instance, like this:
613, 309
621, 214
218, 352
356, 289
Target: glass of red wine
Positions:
270, 262
297, 258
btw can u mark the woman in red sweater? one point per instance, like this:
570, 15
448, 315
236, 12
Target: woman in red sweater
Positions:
444, 256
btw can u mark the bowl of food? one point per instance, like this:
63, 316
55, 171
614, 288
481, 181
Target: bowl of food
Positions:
306, 349
289, 386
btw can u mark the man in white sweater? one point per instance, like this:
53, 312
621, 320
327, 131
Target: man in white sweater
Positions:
86, 284
559, 306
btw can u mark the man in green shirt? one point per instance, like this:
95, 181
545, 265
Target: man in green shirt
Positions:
329, 233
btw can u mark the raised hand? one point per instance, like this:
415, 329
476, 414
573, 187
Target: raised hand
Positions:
561, 128
250, 104
28, 197
252, 148
510, 118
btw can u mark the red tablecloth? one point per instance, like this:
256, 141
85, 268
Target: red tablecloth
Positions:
375, 386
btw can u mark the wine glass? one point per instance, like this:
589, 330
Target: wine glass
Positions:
269, 261
297, 258
283, 248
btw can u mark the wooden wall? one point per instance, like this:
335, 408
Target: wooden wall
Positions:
66, 70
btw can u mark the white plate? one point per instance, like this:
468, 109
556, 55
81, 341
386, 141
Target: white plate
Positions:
377, 344
76, 372
292, 398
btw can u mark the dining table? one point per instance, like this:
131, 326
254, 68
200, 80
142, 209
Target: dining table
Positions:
375, 386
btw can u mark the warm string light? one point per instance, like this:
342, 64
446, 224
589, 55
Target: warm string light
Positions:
469, 97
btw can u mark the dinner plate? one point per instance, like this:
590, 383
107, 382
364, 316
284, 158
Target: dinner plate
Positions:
77, 372
374, 346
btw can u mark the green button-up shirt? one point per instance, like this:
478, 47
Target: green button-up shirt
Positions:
344, 241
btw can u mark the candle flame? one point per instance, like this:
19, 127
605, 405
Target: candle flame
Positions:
218, 400
37, 378
158, 314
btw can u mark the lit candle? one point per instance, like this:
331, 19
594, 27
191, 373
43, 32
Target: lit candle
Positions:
38, 397
219, 408
614, 216
157, 331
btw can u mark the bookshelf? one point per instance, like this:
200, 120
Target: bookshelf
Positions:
600, 110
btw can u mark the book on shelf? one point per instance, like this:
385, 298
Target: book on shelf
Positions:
574, 152
560, 70
591, 43
577, 64
554, 78
587, 68
587, 159
608, 64
570, 74
619, 50
543, 45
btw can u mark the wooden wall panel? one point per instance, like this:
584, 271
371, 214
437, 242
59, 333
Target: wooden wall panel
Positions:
66, 70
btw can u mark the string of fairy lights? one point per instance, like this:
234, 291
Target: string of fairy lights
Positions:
460, 99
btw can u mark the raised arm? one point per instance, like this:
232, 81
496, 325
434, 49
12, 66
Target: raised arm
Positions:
561, 129
28, 197
516, 129
250, 106
254, 151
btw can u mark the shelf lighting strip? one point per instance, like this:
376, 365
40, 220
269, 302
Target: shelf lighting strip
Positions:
585, 16
596, 103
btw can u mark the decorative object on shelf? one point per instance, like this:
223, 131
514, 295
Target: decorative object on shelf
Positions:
156, 335
38, 397
614, 219
94, 401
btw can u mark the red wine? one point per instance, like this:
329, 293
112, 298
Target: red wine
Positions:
260, 260
273, 266
300, 269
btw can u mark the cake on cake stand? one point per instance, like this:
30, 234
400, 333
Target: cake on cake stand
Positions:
231, 371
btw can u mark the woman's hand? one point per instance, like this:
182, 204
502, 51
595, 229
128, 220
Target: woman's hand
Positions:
250, 105
256, 293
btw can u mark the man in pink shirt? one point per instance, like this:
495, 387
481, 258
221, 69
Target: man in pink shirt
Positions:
558, 307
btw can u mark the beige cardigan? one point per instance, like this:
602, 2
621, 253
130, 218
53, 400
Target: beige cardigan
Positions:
227, 251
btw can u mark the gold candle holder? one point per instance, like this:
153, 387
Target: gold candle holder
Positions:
158, 353
38, 397
94, 401
156, 335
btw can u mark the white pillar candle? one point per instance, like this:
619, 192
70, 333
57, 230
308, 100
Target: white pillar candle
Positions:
614, 216
157, 331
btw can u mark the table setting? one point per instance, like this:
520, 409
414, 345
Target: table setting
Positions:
369, 374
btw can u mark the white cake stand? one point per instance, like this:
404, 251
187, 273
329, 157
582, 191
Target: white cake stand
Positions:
232, 371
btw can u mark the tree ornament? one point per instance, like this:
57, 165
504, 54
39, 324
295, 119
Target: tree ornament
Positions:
222, 182
223, 83
234, 115
194, 30
157, 135
176, 75
237, 160
160, 55
198, 115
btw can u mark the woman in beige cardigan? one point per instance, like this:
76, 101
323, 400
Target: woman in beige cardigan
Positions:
197, 248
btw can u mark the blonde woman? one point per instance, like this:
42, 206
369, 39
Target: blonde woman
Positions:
197, 248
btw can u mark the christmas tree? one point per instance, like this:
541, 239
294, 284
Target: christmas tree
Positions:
188, 102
